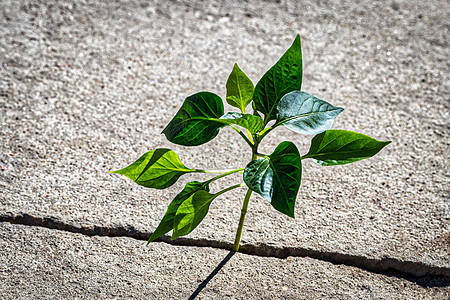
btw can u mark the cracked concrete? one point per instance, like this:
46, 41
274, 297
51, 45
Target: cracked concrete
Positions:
87, 87
407, 268
46, 263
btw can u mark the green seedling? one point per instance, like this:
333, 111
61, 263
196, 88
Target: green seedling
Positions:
276, 177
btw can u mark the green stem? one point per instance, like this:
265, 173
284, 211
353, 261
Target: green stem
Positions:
220, 171
249, 135
244, 210
267, 131
224, 174
229, 189
243, 136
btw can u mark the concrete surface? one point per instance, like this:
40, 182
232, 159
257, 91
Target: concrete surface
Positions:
87, 87
44, 263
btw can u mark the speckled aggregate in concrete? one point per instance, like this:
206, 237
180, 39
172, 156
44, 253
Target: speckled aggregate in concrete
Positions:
88, 86
50, 264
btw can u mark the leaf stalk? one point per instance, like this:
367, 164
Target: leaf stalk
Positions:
228, 171
243, 136
228, 189
224, 174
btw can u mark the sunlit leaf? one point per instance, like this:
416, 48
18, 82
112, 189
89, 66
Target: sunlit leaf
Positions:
283, 77
253, 123
191, 212
339, 147
239, 89
166, 223
158, 168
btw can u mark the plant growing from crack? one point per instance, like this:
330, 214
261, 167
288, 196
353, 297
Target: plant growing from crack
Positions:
276, 177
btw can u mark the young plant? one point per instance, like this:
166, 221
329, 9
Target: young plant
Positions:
276, 177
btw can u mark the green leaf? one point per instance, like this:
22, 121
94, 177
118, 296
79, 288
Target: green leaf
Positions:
167, 222
239, 89
340, 147
192, 125
277, 177
253, 123
305, 113
283, 77
191, 212
158, 169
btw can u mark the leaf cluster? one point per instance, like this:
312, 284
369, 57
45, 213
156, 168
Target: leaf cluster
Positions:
276, 177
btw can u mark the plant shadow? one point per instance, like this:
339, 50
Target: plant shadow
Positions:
211, 276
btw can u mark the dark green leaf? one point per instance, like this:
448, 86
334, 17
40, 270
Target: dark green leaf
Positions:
277, 177
239, 89
158, 168
253, 123
284, 77
191, 212
340, 147
192, 125
166, 223
304, 113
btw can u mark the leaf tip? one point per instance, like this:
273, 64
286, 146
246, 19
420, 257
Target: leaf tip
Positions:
152, 239
291, 214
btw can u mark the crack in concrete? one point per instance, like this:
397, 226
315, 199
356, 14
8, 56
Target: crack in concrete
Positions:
381, 266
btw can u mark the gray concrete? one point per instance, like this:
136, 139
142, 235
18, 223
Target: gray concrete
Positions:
42, 263
87, 87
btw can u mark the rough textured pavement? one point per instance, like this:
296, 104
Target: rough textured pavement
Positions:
87, 87
44, 262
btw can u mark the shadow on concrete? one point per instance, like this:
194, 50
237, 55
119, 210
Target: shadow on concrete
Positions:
211, 276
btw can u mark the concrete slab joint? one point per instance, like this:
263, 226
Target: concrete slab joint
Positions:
407, 268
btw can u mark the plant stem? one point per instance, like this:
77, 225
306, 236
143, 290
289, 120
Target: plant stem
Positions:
221, 171
229, 189
269, 129
243, 136
244, 210
224, 174
249, 135
248, 131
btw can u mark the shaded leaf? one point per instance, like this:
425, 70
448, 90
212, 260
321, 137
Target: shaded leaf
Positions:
339, 147
277, 177
191, 212
253, 123
192, 125
158, 168
167, 222
283, 77
239, 89
305, 113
